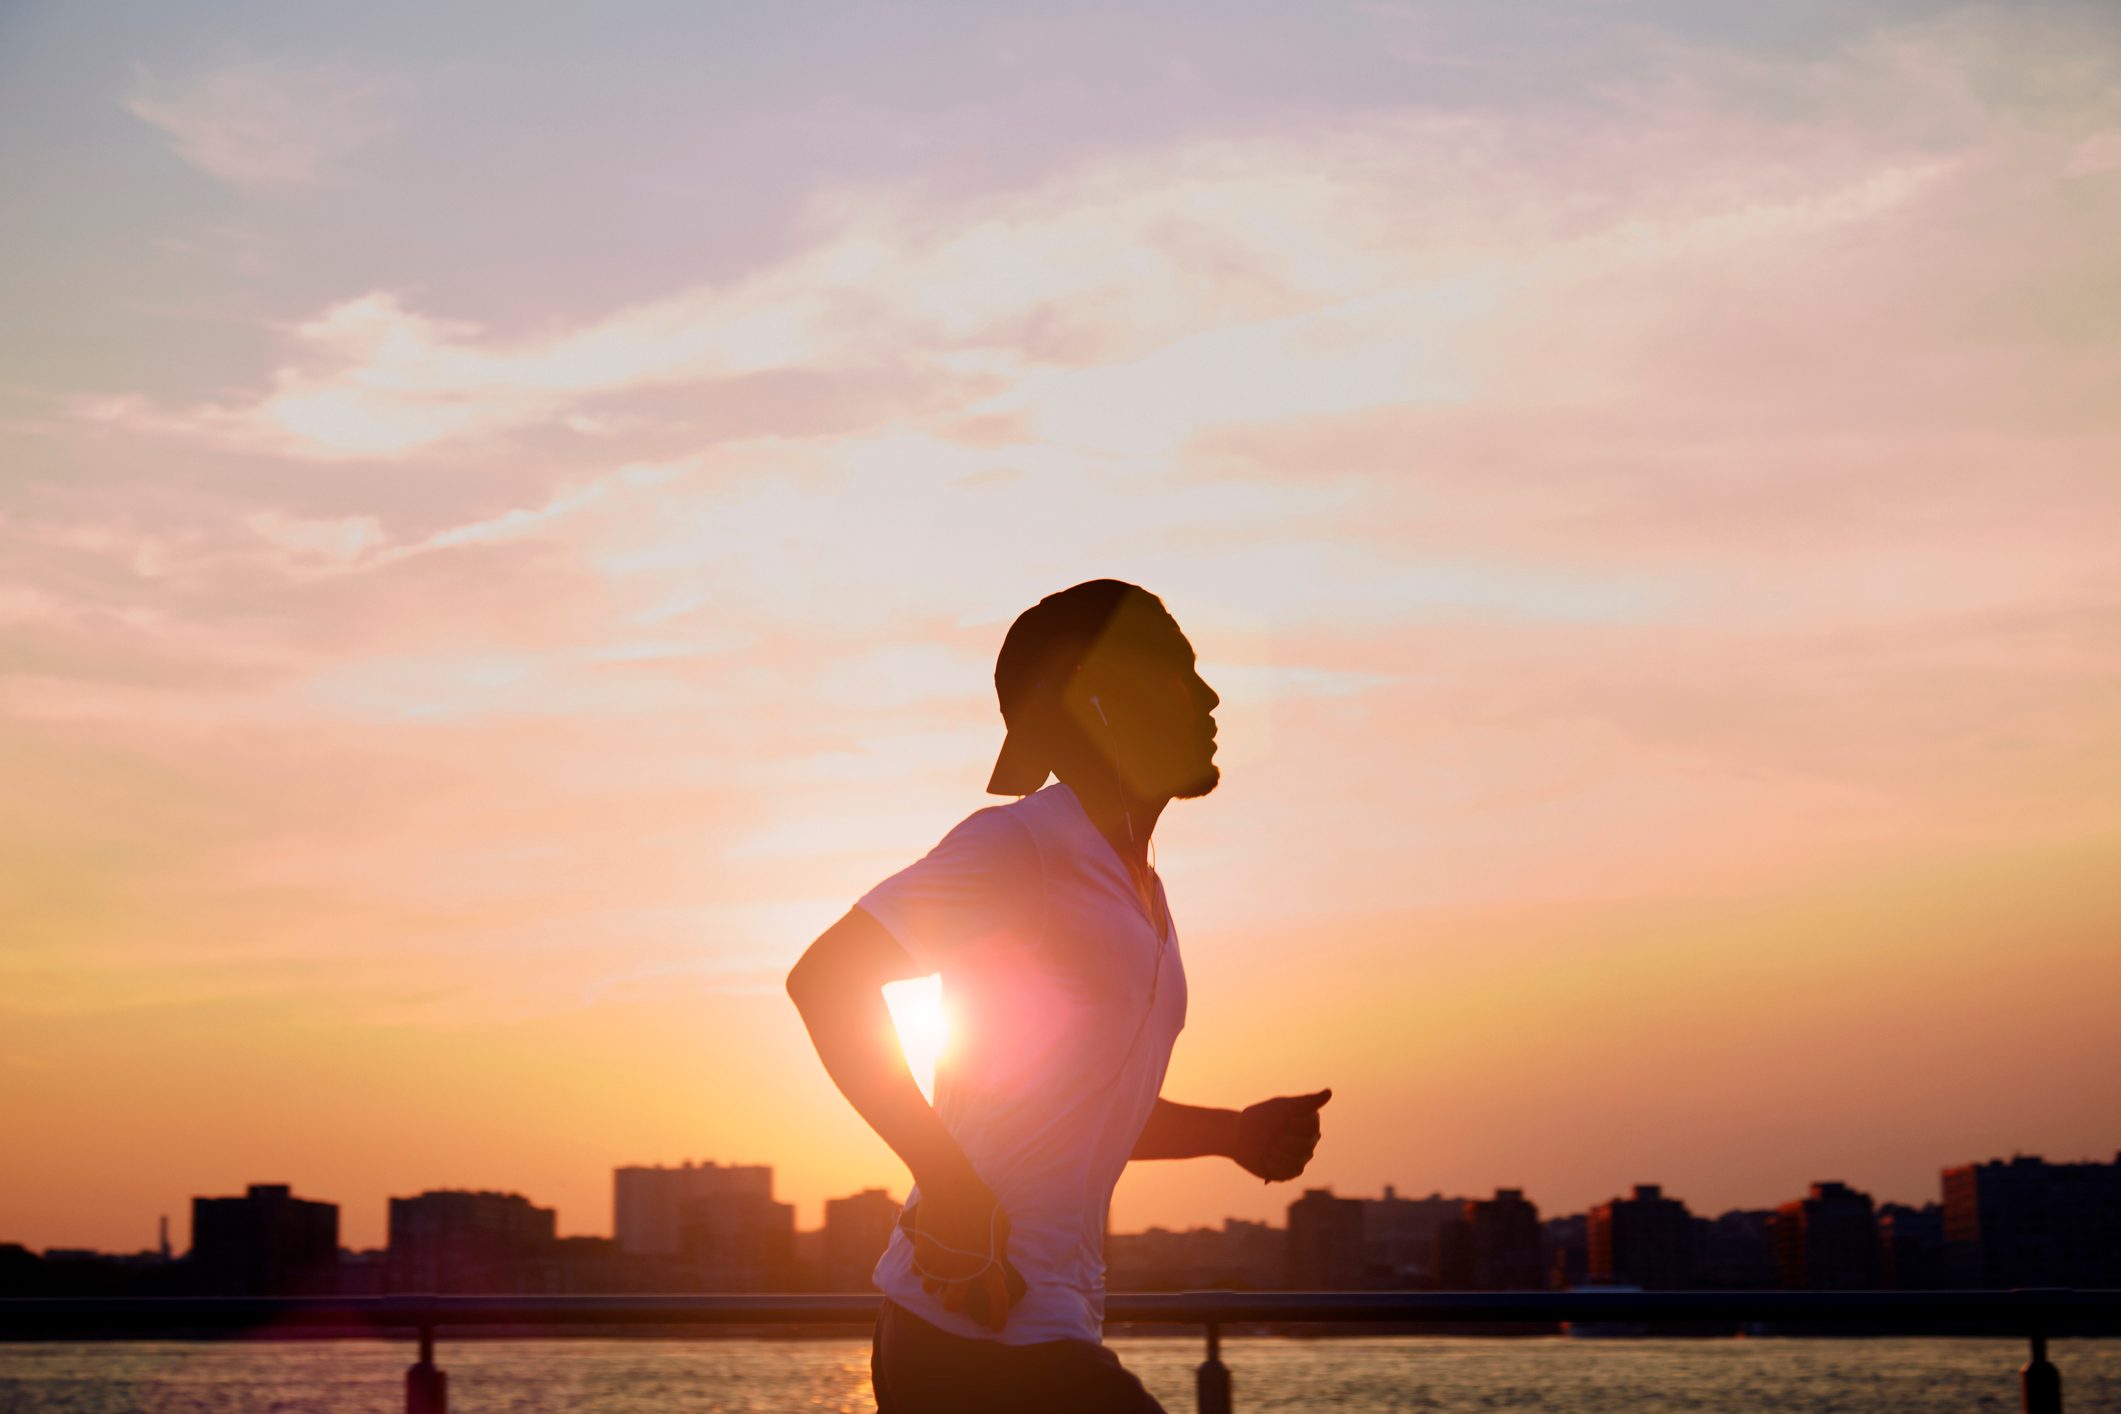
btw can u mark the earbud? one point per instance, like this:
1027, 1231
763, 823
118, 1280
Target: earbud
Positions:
1100, 711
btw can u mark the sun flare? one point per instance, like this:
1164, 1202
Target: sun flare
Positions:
923, 1028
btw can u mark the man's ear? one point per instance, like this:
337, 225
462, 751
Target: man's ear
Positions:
1075, 715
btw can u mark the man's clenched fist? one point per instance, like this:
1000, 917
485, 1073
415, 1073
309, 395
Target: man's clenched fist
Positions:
1276, 1138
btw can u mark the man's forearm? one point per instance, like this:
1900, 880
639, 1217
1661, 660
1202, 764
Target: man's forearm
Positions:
1176, 1131
852, 1030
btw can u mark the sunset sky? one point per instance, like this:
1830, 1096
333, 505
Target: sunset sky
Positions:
507, 513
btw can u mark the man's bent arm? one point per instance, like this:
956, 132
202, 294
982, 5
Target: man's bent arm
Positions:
838, 986
1176, 1131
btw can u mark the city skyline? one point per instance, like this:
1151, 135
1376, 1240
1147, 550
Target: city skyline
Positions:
1995, 1224
174, 1224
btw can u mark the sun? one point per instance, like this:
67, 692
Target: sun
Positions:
923, 1028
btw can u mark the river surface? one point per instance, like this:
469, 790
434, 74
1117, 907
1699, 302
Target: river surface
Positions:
1271, 1376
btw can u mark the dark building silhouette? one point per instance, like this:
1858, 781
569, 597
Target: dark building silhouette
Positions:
2027, 1222
364, 1273
1911, 1248
739, 1241
1399, 1239
1505, 1242
1493, 1246
1565, 1250
456, 1240
1325, 1242
266, 1243
1828, 1241
857, 1228
1157, 1259
1735, 1251
62, 1271
1252, 1257
1645, 1241
21, 1271
648, 1201
584, 1266
1363, 1244
1238, 1256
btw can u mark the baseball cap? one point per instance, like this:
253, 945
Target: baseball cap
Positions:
1041, 651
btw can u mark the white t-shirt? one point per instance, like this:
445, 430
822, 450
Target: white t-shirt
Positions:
1063, 1007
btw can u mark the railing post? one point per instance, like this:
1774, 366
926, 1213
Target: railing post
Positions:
1214, 1382
426, 1388
2041, 1381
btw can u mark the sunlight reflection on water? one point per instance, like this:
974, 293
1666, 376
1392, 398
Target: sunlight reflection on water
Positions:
745, 1376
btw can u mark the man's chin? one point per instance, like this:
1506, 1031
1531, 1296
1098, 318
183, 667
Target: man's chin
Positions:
1200, 785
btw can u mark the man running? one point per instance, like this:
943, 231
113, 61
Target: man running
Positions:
1062, 980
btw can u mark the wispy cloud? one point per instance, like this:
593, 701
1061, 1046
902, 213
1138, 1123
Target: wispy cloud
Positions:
1123, 310
265, 122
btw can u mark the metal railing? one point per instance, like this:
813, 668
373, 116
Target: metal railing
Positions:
2035, 1315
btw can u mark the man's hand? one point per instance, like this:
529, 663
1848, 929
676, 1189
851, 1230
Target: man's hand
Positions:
955, 1227
1276, 1138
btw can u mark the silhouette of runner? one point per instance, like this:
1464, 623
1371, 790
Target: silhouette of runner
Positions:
1061, 974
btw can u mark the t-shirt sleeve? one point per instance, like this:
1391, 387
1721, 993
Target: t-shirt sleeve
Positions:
980, 884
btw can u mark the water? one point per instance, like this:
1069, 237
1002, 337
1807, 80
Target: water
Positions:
1271, 1376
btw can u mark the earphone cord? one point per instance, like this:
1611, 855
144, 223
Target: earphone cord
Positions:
992, 1256
1150, 896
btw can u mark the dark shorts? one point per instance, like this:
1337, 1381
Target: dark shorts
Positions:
919, 1369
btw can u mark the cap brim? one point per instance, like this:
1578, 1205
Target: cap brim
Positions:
1020, 769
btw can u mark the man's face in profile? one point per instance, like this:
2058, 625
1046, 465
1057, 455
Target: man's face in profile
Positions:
1153, 717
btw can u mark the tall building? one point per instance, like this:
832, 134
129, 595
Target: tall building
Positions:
266, 1243
1565, 1250
857, 1229
455, 1240
1645, 1241
1505, 1235
647, 1201
2027, 1222
1828, 1241
1493, 1246
1325, 1242
739, 1241
1399, 1238
1911, 1248
1735, 1251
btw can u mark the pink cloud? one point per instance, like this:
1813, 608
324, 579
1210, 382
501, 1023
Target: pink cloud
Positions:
265, 122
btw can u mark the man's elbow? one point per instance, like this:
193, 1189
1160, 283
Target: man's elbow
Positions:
853, 956
817, 973
803, 981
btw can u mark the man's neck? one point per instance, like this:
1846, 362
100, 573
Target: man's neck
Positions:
1124, 819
